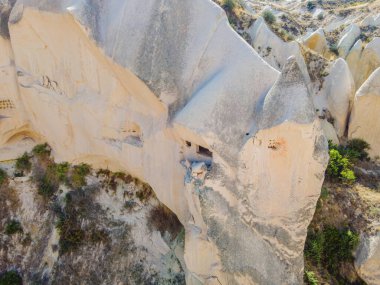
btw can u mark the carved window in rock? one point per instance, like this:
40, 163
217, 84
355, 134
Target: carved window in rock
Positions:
6, 104
133, 134
203, 151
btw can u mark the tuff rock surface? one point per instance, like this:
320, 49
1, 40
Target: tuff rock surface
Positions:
364, 119
153, 87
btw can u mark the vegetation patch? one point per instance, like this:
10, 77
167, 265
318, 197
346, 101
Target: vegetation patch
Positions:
78, 175
163, 220
343, 158
3, 177
13, 227
11, 277
73, 235
42, 150
23, 164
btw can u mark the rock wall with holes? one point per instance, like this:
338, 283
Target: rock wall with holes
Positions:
167, 91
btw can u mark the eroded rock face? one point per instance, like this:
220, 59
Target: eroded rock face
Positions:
368, 258
273, 49
364, 123
340, 90
316, 41
155, 87
364, 61
349, 37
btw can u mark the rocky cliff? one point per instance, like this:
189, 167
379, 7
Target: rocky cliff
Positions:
230, 139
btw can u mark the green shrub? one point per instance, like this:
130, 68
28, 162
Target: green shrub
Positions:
357, 149
13, 227
69, 229
42, 150
229, 4
334, 49
10, 278
310, 278
23, 163
310, 5
145, 191
163, 220
78, 175
330, 247
269, 17
47, 186
340, 167
3, 176
61, 171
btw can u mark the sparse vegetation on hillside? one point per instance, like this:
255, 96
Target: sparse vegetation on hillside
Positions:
343, 158
13, 227
163, 220
310, 5
3, 176
23, 164
269, 17
78, 175
11, 277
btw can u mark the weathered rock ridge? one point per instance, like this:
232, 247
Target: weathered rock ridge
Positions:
168, 92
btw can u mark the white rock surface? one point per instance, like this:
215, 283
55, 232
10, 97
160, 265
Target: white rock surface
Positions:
367, 259
316, 41
348, 38
363, 62
141, 86
340, 91
273, 49
368, 21
364, 121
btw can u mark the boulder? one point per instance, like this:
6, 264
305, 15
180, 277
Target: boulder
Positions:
316, 41
364, 121
368, 21
367, 258
347, 40
340, 91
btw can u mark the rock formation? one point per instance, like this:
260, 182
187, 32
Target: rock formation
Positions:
364, 122
348, 38
273, 49
168, 92
316, 41
368, 259
340, 91
363, 62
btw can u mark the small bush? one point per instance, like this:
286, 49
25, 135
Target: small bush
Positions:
310, 6
42, 150
330, 247
144, 193
269, 17
13, 227
10, 278
23, 163
321, 16
164, 220
334, 49
229, 4
340, 167
61, 171
3, 176
357, 149
78, 175
310, 278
